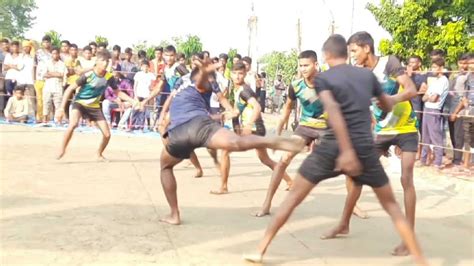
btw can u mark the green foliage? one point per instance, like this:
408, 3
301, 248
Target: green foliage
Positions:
419, 26
101, 39
55, 38
15, 17
143, 45
284, 63
192, 44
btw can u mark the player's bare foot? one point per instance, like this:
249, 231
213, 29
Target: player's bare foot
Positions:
101, 158
360, 213
401, 250
253, 257
288, 144
60, 155
333, 233
198, 173
171, 219
220, 191
261, 213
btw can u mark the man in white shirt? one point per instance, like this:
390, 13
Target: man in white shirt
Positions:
12, 66
434, 98
53, 86
223, 86
250, 78
43, 56
26, 75
142, 88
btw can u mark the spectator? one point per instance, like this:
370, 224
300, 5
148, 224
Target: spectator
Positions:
467, 105
250, 79
26, 76
413, 71
43, 56
65, 45
86, 62
4, 50
53, 86
236, 58
181, 58
457, 92
12, 65
223, 84
128, 66
263, 91
116, 51
141, 57
73, 67
17, 106
280, 87
223, 59
141, 88
434, 99
112, 101
157, 65
102, 46
93, 46
206, 55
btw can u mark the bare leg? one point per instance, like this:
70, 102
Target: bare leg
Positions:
213, 154
300, 190
75, 116
225, 171
387, 200
104, 128
195, 161
275, 181
409, 193
227, 140
168, 182
343, 227
357, 211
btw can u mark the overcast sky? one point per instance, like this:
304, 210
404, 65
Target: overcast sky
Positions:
220, 24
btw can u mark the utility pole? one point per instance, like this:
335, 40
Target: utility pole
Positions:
298, 26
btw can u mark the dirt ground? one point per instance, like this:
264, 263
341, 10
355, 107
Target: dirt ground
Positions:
81, 212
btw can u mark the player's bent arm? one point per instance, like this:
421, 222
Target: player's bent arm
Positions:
256, 110
166, 108
336, 120
67, 94
433, 98
409, 89
284, 116
385, 102
156, 90
124, 97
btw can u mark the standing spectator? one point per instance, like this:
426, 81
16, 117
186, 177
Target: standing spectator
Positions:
116, 51
263, 91
102, 46
12, 65
43, 56
280, 87
181, 58
141, 57
127, 66
86, 62
223, 59
434, 99
457, 92
223, 87
143, 81
157, 65
93, 46
17, 106
26, 76
413, 71
206, 55
53, 86
65, 45
466, 104
251, 78
73, 67
5, 43
236, 59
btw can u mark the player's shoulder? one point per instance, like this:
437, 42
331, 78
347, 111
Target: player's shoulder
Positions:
297, 82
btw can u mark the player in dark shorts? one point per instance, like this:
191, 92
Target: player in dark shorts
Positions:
394, 128
192, 127
249, 122
348, 147
86, 103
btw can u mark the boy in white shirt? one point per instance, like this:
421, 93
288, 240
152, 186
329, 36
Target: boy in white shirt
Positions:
432, 127
142, 86
53, 85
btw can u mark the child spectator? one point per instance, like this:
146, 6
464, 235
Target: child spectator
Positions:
17, 106
434, 98
142, 87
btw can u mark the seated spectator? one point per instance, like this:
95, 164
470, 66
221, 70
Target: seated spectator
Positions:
17, 108
111, 101
434, 98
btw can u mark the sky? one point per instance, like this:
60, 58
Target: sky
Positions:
221, 24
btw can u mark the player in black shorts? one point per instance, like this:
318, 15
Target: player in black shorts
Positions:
192, 127
249, 122
348, 147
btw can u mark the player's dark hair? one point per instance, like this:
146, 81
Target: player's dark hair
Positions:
336, 46
362, 38
308, 54
239, 65
439, 61
170, 49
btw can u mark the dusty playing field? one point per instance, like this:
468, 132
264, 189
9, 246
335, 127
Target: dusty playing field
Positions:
81, 212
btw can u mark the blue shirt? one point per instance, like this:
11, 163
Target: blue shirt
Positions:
189, 103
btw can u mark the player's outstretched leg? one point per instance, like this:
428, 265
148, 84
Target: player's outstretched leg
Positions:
168, 181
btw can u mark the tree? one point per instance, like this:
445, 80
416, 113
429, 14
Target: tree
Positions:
15, 17
419, 26
143, 45
55, 38
192, 44
284, 63
101, 39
